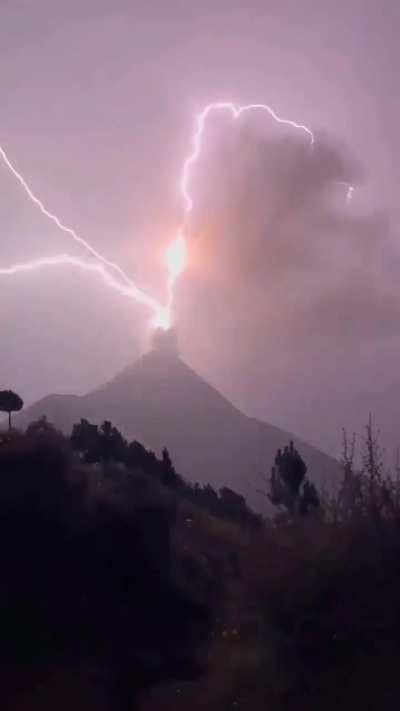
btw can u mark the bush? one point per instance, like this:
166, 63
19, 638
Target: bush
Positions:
87, 569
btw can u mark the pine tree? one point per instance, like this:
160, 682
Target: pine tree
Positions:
288, 486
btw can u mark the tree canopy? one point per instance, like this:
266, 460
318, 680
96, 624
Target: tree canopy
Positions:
10, 402
288, 486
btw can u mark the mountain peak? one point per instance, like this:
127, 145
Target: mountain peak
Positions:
160, 401
165, 343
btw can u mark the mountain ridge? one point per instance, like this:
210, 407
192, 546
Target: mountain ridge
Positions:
160, 401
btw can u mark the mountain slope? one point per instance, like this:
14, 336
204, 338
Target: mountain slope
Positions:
160, 401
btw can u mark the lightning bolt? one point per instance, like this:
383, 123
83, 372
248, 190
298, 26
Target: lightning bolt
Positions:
68, 260
176, 253
134, 291
349, 189
235, 112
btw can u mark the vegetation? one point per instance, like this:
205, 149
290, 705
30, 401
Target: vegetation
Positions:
288, 487
104, 444
10, 402
123, 586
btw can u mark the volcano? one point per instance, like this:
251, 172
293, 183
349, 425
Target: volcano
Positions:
160, 401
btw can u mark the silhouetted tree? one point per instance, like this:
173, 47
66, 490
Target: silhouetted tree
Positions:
288, 486
169, 477
309, 499
112, 444
209, 499
228, 504
99, 444
41, 427
369, 491
84, 439
10, 402
138, 457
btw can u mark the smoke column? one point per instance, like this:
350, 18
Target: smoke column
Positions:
177, 251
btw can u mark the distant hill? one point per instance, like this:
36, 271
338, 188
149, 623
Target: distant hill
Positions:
160, 401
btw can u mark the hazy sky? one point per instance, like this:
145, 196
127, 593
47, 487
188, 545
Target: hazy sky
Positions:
291, 301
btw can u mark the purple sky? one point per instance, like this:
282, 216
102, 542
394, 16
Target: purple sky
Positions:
291, 303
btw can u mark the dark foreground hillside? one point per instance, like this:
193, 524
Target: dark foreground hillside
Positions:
121, 589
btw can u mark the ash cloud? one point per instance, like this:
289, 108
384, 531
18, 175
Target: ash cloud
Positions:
288, 280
